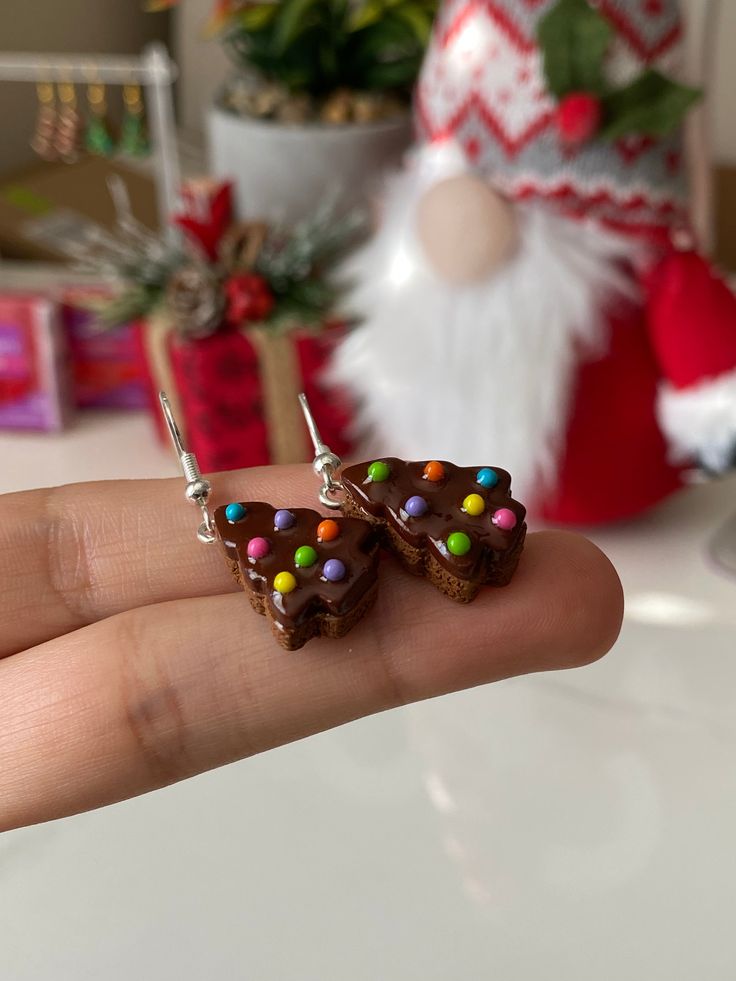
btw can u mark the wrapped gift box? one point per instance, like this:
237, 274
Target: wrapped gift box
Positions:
34, 380
107, 368
235, 392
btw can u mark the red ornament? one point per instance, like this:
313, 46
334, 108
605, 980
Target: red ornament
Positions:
578, 118
249, 298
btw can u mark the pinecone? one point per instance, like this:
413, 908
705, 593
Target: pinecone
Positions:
196, 301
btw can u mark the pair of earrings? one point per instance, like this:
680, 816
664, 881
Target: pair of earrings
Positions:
61, 131
133, 140
312, 576
58, 123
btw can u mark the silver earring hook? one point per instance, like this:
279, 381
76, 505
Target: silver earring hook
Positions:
325, 463
198, 488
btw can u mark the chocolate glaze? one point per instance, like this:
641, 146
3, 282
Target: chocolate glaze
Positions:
490, 545
356, 546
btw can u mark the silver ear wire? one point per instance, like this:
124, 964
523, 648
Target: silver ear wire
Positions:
325, 463
198, 488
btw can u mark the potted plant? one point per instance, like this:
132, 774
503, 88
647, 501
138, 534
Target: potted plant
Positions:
319, 97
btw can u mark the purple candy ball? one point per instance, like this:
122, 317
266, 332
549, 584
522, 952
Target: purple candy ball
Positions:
283, 520
416, 506
334, 570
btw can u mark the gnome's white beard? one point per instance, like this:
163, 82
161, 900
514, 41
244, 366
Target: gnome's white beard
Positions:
480, 374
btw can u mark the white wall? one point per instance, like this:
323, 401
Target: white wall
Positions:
723, 106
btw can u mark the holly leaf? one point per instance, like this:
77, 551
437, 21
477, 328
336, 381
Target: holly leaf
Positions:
574, 38
652, 105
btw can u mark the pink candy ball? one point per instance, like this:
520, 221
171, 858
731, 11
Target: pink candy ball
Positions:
505, 519
258, 548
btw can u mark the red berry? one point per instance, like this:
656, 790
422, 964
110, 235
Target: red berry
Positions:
578, 118
248, 298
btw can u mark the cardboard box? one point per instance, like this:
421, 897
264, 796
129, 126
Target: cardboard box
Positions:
46, 207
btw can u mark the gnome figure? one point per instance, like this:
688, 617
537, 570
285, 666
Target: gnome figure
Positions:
533, 297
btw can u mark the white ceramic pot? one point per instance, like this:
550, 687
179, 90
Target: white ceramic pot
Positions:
282, 171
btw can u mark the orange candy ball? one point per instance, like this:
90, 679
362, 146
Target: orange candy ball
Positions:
328, 530
434, 471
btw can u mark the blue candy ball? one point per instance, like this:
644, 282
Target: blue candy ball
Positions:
487, 477
235, 512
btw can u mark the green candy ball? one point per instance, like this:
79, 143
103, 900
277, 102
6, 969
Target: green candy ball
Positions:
458, 543
379, 471
305, 556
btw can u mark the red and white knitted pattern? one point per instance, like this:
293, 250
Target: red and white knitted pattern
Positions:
482, 85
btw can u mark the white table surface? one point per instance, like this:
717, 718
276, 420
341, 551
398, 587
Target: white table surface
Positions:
575, 826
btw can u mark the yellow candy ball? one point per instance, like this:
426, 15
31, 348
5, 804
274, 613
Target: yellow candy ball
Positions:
474, 505
284, 582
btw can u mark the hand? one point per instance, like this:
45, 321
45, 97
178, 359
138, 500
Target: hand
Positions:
129, 659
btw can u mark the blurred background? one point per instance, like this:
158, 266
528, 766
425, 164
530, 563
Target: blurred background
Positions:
532, 243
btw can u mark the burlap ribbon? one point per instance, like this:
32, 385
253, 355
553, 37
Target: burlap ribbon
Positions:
280, 376
280, 384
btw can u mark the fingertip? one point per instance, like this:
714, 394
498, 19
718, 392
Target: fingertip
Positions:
588, 597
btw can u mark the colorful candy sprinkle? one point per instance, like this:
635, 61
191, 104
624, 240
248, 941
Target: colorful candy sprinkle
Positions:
283, 520
416, 506
434, 471
328, 530
234, 512
505, 519
284, 582
474, 505
334, 570
487, 477
258, 548
379, 471
304, 556
458, 543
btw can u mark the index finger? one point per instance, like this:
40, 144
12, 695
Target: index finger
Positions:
72, 555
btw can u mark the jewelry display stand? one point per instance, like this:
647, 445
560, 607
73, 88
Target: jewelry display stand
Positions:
153, 70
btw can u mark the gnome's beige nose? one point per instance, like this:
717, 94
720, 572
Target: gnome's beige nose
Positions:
466, 229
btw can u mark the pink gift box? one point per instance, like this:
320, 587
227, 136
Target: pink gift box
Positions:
34, 381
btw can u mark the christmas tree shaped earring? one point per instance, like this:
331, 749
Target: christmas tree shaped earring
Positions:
459, 527
310, 576
133, 135
97, 139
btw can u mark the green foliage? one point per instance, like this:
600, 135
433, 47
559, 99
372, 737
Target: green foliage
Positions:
574, 38
321, 45
299, 264
652, 104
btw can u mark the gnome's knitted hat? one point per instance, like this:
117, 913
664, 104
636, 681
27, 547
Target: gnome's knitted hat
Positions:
487, 85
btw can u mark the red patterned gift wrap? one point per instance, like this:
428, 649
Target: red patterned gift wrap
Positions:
107, 368
34, 382
236, 392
